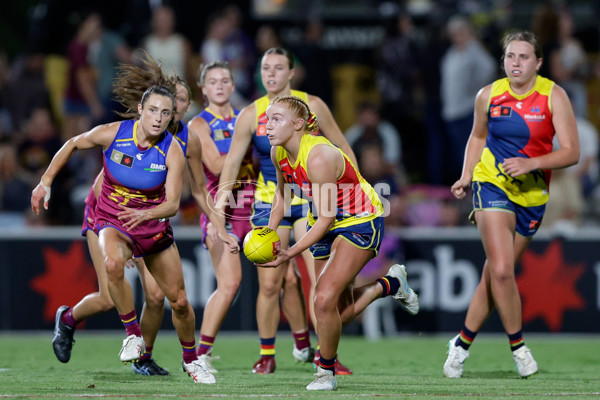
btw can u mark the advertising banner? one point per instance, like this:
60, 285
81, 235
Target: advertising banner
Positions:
558, 278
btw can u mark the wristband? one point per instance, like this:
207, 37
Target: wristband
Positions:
47, 189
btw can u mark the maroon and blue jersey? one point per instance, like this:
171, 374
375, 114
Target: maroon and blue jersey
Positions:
181, 134
133, 177
221, 132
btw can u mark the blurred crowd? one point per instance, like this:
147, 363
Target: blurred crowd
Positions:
408, 121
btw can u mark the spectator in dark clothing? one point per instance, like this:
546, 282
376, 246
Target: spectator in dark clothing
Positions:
396, 74
316, 62
26, 89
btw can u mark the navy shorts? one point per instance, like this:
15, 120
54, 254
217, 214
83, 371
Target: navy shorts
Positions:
487, 196
367, 236
261, 212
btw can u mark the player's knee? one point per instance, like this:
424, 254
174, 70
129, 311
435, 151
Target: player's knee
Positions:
324, 302
502, 272
230, 288
180, 304
155, 299
115, 268
270, 288
291, 278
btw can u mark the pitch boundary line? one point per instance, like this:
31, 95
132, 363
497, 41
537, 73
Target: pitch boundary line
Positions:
334, 394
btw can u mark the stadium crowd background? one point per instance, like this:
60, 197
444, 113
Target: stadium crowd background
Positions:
392, 72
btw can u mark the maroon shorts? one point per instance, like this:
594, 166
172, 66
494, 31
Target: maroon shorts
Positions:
89, 220
148, 238
237, 223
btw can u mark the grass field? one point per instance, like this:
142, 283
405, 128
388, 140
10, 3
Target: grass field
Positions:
402, 367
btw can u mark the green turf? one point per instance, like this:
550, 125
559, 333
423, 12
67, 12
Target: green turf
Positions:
402, 367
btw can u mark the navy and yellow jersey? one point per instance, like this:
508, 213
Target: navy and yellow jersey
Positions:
221, 132
133, 176
181, 134
518, 126
357, 201
267, 178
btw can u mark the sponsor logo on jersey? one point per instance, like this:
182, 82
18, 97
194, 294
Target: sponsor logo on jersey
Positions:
126, 144
261, 130
500, 111
156, 167
534, 117
221, 134
122, 158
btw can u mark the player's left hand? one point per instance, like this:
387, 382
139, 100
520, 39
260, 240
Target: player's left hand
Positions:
231, 242
131, 217
518, 166
282, 256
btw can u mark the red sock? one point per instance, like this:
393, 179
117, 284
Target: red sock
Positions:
131, 323
302, 340
205, 344
189, 351
67, 318
147, 354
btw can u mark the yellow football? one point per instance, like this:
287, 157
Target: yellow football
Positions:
260, 245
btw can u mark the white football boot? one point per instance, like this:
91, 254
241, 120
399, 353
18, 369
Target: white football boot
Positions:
454, 365
325, 380
526, 365
407, 297
132, 349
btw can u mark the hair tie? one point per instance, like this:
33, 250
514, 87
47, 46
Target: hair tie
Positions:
311, 121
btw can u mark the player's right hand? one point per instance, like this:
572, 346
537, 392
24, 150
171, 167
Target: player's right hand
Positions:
460, 187
40, 192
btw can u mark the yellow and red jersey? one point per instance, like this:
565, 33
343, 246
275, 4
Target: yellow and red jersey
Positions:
518, 126
357, 201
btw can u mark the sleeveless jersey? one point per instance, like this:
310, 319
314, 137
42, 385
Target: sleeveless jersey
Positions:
267, 177
181, 135
519, 126
134, 176
221, 132
357, 201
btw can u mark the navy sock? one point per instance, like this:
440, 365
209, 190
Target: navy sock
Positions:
389, 284
466, 337
328, 364
516, 340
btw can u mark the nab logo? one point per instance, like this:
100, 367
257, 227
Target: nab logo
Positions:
500, 111
122, 158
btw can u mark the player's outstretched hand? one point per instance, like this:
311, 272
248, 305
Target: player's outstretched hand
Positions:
282, 256
40, 192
